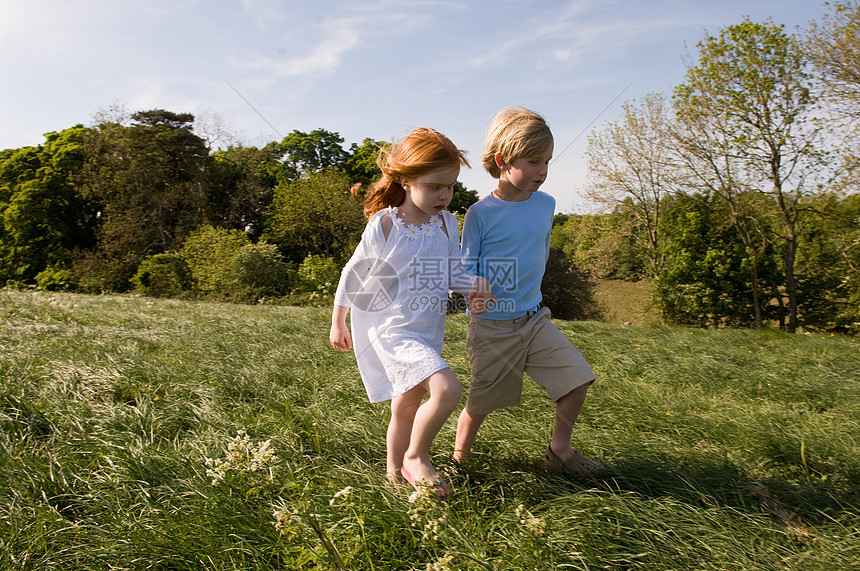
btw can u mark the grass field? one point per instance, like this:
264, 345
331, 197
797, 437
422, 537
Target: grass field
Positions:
624, 302
157, 434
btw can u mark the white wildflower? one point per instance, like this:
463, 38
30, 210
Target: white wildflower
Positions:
242, 456
284, 515
344, 493
535, 525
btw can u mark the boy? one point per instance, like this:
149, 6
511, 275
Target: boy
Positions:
506, 239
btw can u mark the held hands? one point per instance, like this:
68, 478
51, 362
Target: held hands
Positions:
480, 296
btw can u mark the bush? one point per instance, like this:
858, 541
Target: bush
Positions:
56, 278
567, 290
209, 253
258, 271
318, 274
162, 275
94, 272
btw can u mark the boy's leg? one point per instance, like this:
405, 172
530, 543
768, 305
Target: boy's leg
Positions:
560, 457
445, 393
467, 429
556, 365
567, 410
497, 356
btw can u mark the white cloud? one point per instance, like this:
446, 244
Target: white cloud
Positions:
338, 37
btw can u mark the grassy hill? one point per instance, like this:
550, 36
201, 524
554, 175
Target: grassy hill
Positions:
625, 302
156, 434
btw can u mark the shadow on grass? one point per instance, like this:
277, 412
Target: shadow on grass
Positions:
700, 484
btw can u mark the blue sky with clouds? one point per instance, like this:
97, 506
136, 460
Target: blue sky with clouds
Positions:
363, 68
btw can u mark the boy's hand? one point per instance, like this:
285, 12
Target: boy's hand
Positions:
480, 296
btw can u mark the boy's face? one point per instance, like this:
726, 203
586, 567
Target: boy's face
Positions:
526, 174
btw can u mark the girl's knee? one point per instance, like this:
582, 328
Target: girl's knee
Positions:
448, 391
406, 405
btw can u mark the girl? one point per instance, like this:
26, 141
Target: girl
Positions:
396, 284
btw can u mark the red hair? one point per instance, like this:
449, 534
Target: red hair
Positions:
421, 152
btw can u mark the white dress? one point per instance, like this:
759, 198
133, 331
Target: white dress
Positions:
397, 289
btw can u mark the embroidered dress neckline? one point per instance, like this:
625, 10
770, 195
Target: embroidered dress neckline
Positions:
413, 231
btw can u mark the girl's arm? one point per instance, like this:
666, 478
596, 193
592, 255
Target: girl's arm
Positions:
372, 241
339, 335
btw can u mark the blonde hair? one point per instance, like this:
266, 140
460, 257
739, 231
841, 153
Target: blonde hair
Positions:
421, 152
516, 133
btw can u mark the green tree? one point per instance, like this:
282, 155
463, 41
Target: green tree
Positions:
258, 271
43, 219
833, 47
631, 162
305, 153
567, 290
148, 181
751, 95
209, 252
606, 246
829, 259
463, 198
241, 182
162, 275
707, 272
315, 214
361, 165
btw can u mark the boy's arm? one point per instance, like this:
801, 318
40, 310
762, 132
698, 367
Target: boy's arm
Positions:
470, 251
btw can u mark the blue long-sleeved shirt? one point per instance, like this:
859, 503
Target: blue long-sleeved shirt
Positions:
508, 243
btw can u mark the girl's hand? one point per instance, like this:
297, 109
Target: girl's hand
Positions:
480, 296
339, 337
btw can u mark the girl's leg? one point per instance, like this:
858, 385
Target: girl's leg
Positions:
444, 390
403, 410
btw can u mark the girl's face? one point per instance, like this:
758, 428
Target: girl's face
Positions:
429, 194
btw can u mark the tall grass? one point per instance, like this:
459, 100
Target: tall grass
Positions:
156, 434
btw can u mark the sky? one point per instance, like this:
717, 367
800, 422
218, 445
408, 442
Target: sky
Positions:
252, 71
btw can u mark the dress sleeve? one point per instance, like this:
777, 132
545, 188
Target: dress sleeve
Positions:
363, 260
460, 279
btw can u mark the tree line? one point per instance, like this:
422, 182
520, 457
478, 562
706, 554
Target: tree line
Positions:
144, 202
735, 195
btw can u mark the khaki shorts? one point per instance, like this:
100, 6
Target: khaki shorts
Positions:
500, 351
